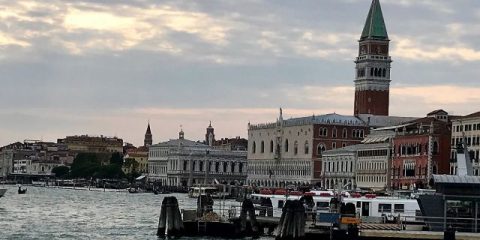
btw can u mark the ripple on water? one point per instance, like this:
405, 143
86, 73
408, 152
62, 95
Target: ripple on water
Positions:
77, 214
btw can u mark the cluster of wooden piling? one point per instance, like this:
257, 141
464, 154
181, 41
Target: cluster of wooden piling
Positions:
292, 221
170, 222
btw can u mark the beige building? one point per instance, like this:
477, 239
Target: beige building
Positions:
141, 160
85, 143
468, 126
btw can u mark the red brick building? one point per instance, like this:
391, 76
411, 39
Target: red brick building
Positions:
420, 149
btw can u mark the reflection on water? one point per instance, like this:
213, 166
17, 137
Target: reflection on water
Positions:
51, 213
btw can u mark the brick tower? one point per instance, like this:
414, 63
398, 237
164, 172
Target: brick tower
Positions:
372, 82
148, 137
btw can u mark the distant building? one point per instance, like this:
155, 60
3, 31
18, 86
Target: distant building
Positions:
210, 135
468, 127
231, 144
85, 143
421, 148
339, 167
140, 157
33, 157
148, 140
181, 162
374, 158
289, 152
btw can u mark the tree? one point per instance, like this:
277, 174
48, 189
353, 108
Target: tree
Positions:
116, 158
85, 165
61, 171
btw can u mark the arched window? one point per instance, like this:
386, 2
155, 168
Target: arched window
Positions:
217, 166
384, 72
262, 147
201, 166
435, 148
295, 148
271, 146
224, 167
371, 71
254, 147
376, 72
344, 133
286, 145
334, 132
320, 148
306, 147
240, 167
232, 167
185, 165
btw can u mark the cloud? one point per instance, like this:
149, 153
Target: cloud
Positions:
415, 51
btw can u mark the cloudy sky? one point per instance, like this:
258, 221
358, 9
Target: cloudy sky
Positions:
107, 67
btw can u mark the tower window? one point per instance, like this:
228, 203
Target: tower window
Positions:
384, 72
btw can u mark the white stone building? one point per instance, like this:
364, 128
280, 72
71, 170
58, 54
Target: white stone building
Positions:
338, 168
470, 126
181, 162
363, 166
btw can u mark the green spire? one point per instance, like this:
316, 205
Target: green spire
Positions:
375, 26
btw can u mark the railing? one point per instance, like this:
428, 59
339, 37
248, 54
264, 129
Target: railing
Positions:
460, 224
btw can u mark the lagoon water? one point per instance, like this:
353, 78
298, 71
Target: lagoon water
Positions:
53, 213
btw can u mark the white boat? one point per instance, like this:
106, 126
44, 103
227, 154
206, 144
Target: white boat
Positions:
2, 191
214, 192
367, 207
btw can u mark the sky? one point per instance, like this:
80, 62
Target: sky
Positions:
110, 67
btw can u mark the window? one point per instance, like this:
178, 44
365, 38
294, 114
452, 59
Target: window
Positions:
262, 147
306, 147
334, 133
201, 166
271, 146
286, 145
334, 145
384, 208
320, 148
323, 132
224, 167
217, 166
344, 133
254, 147
240, 167
280, 203
232, 167
399, 208
295, 148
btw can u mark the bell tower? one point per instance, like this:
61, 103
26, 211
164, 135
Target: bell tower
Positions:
147, 141
372, 81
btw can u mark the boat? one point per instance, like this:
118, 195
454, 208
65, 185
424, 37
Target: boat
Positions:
214, 192
2, 191
22, 191
368, 207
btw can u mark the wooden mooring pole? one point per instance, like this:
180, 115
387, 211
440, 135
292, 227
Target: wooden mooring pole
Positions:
170, 222
292, 221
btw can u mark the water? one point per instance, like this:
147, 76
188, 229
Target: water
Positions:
52, 213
